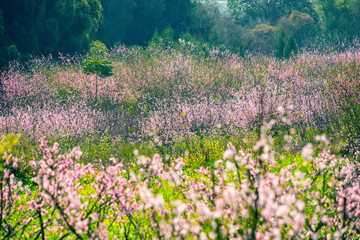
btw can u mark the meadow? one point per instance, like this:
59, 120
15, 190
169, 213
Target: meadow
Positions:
181, 141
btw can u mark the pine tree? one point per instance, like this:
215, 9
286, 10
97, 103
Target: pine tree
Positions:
291, 47
280, 46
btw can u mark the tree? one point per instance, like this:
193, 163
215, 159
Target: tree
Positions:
76, 33
245, 11
303, 6
147, 18
301, 25
97, 49
340, 17
117, 15
178, 15
101, 68
280, 46
291, 48
135, 21
8, 50
262, 38
253, 12
204, 18
50, 26
237, 47
96, 65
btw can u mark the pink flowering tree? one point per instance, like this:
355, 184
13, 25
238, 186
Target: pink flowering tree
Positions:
245, 195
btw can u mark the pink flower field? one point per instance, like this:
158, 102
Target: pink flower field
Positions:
181, 143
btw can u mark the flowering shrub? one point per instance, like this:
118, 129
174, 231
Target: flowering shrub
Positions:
242, 196
181, 98
344, 89
176, 91
51, 119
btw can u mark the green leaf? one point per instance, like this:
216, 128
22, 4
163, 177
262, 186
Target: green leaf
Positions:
99, 67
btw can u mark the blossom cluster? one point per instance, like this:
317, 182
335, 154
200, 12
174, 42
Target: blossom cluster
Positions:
175, 92
51, 119
245, 195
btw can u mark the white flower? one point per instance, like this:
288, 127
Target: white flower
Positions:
228, 154
307, 151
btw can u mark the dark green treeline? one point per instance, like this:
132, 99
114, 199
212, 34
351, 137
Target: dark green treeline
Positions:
42, 27
68, 26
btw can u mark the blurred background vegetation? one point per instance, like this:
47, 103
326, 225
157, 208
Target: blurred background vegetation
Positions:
43, 27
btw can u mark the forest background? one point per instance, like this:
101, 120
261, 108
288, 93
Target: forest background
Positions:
43, 27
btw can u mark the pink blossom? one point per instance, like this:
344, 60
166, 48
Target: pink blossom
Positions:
6, 173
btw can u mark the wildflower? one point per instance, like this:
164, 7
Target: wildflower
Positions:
228, 154
307, 151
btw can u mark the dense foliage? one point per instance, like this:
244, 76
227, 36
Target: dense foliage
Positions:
322, 21
340, 18
252, 12
48, 27
134, 22
45, 27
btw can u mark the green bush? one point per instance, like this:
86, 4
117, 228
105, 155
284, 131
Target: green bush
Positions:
262, 38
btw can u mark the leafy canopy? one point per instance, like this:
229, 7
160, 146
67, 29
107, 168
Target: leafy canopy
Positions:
100, 67
260, 11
